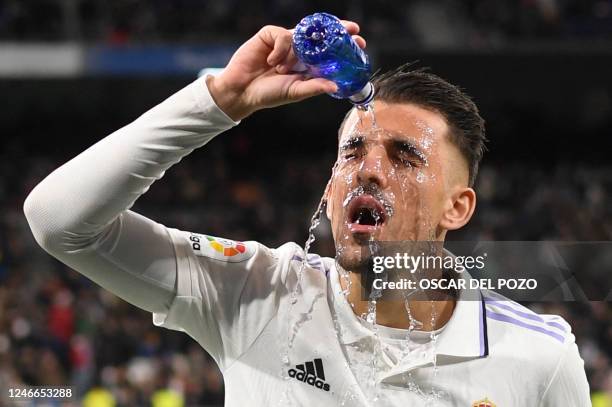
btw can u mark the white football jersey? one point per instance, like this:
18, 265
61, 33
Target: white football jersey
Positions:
234, 299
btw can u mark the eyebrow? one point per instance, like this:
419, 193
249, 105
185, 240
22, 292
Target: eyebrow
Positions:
399, 141
353, 142
402, 143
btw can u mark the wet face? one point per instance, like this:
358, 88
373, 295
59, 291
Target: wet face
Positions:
397, 179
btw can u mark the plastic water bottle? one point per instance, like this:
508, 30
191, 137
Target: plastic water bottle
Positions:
326, 50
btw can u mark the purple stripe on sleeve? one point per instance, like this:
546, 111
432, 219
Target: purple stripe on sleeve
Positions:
529, 315
510, 320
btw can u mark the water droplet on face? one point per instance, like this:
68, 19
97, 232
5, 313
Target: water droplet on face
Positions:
420, 178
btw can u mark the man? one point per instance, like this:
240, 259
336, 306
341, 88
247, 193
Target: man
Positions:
289, 332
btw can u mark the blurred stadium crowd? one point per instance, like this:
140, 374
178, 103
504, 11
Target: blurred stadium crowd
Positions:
441, 23
56, 327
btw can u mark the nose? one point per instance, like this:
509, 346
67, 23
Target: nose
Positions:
373, 168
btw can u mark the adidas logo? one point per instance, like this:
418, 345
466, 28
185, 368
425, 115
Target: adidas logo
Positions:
311, 373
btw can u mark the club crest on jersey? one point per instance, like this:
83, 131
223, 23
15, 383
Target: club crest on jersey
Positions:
220, 249
484, 403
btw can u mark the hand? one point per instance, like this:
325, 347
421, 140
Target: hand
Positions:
259, 74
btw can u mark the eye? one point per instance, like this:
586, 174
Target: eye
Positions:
408, 159
408, 155
352, 148
352, 154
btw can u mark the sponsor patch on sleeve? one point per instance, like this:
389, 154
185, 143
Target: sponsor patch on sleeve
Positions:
221, 249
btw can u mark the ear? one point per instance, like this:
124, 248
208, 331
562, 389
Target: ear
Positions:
460, 208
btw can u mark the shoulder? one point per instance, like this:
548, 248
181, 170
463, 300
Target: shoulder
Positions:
539, 341
539, 348
511, 317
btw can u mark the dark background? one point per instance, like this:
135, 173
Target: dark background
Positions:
538, 70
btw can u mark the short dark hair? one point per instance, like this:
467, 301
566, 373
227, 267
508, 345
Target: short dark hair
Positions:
420, 87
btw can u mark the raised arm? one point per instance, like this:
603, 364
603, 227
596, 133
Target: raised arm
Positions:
79, 213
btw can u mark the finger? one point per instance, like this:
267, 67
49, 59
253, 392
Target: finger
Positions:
282, 46
288, 64
351, 26
300, 90
360, 41
277, 38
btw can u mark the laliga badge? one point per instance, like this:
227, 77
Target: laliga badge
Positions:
484, 403
220, 249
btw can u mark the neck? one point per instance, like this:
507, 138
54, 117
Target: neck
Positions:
393, 313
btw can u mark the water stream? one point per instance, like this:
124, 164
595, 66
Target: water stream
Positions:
293, 329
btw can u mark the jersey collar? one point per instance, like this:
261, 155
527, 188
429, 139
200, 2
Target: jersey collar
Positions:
464, 335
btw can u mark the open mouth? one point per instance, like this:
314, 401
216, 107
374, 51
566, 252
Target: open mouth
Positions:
365, 214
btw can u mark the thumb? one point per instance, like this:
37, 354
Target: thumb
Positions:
303, 89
